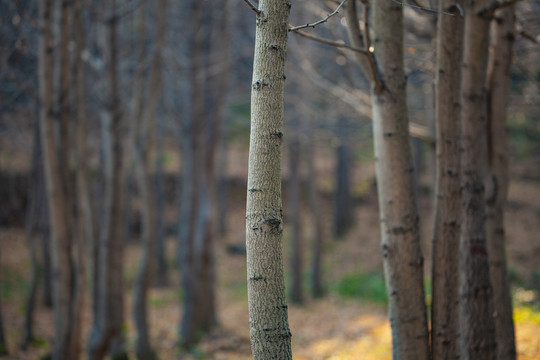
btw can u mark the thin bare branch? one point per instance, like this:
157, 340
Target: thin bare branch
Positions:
361, 40
521, 31
425, 8
253, 7
334, 43
369, 55
312, 25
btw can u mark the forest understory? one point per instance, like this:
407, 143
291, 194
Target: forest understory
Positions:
349, 322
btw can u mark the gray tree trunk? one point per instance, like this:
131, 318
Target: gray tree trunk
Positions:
477, 326
269, 325
497, 181
444, 324
402, 256
107, 334
202, 131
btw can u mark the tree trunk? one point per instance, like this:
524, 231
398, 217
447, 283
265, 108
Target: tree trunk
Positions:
45, 230
497, 181
445, 279
64, 265
477, 328
402, 256
162, 268
294, 217
202, 131
314, 203
269, 325
144, 158
35, 196
107, 333
3, 343
343, 212
222, 190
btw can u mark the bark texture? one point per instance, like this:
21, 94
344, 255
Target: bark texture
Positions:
477, 327
144, 159
402, 256
444, 324
107, 335
497, 180
269, 326
65, 285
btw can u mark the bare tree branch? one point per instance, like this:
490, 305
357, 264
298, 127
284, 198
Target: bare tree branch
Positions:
521, 31
312, 25
361, 40
334, 43
253, 7
418, 7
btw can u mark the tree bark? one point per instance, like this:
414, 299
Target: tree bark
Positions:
64, 265
497, 181
107, 334
402, 256
269, 326
144, 159
477, 327
445, 279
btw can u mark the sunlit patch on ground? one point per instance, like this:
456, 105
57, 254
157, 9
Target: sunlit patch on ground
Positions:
527, 322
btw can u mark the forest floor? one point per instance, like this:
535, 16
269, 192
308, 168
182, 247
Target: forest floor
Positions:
342, 325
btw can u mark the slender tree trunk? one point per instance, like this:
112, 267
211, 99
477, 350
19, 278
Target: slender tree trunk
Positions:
294, 216
65, 312
162, 268
477, 327
497, 182
342, 218
45, 230
197, 236
222, 189
3, 343
445, 279
35, 196
402, 256
269, 325
107, 334
145, 156
314, 203
84, 225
